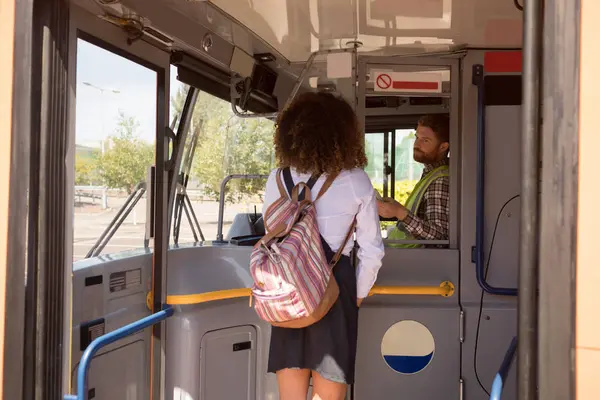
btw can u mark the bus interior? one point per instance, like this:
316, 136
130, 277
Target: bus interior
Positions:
168, 109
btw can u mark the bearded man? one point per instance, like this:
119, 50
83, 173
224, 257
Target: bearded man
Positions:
425, 215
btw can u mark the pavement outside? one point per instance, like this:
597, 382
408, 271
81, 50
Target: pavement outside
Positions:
90, 221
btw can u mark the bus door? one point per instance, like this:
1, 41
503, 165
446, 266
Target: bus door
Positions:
121, 88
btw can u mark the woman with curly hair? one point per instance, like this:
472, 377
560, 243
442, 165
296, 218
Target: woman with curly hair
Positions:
316, 136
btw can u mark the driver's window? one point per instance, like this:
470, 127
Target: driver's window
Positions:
391, 167
422, 187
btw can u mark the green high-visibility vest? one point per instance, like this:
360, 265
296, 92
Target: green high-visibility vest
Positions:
413, 202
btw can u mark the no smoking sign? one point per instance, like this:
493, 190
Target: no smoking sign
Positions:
383, 81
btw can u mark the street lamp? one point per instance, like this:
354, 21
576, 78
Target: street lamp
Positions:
102, 91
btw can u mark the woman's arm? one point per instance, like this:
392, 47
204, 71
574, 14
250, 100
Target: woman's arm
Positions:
368, 235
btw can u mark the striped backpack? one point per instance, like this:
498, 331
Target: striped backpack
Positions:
294, 285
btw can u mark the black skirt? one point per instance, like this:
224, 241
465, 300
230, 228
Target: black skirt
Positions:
328, 346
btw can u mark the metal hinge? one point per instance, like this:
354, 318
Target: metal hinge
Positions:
461, 386
461, 329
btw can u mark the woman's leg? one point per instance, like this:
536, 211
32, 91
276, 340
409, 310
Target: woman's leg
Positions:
293, 383
324, 389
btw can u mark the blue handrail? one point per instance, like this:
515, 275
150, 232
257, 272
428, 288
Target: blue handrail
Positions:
104, 340
500, 378
480, 210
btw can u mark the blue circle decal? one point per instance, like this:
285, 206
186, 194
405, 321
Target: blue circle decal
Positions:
407, 347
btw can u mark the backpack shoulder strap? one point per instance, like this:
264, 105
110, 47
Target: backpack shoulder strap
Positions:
338, 254
280, 186
289, 182
311, 182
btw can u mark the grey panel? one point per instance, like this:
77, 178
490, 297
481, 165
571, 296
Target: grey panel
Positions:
375, 380
346, 87
418, 267
440, 315
504, 258
118, 374
120, 368
204, 268
185, 331
503, 181
498, 326
93, 300
197, 269
228, 364
498, 319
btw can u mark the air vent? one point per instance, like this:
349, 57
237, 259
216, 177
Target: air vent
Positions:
397, 101
383, 101
426, 101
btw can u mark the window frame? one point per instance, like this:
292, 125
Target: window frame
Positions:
453, 64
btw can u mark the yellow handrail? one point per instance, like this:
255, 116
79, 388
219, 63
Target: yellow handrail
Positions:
445, 289
180, 299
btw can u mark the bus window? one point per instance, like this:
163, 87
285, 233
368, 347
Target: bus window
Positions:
115, 136
406, 170
375, 156
392, 174
220, 144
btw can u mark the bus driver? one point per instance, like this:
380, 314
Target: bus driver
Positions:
425, 216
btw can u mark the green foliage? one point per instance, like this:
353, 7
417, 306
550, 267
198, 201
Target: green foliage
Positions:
227, 145
86, 170
126, 158
86, 166
405, 166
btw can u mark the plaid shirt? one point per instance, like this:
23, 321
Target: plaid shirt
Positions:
432, 219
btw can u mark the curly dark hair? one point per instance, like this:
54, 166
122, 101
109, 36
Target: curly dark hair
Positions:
319, 133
